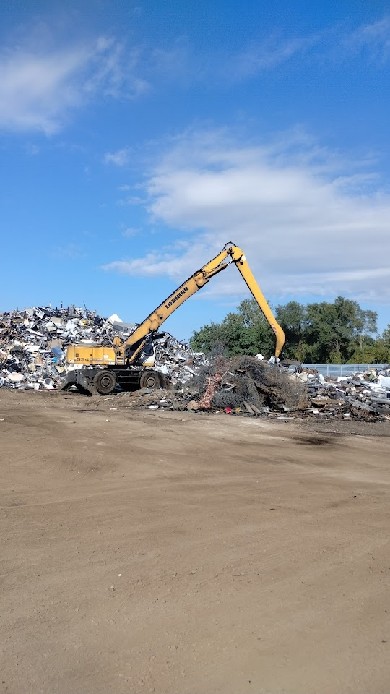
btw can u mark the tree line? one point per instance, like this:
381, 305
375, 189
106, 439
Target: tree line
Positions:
323, 332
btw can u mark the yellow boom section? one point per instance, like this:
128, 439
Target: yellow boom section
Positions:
229, 254
242, 264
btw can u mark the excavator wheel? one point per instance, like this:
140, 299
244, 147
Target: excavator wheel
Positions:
151, 379
105, 382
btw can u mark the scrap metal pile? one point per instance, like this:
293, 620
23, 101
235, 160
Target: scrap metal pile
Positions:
363, 396
176, 359
32, 356
249, 387
246, 384
242, 385
33, 342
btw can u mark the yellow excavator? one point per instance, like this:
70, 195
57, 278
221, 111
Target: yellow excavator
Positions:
129, 362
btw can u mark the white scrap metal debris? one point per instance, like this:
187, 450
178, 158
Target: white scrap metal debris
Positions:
33, 343
32, 356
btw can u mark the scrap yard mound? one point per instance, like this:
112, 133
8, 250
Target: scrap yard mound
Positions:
32, 357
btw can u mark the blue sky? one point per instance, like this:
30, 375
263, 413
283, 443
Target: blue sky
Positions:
136, 139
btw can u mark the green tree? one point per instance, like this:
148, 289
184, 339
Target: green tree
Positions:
319, 332
293, 319
243, 332
366, 352
335, 330
382, 348
208, 339
386, 336
259, 333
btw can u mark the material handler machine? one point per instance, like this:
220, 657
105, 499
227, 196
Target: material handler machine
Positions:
128, 363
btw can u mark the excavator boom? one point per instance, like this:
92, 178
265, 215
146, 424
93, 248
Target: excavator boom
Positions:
160, 314
229, 254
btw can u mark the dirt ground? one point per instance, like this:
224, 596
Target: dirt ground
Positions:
171, 552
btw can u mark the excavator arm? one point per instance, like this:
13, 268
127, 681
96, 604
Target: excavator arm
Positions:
126, 352
242, 265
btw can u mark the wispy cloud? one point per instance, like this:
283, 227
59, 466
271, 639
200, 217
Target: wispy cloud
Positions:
130, 232
69, 251
266, 55
372, 39
31, 149
176, 63
43, 81
40, 87
120, 157
309, 222
369, 41
161, 262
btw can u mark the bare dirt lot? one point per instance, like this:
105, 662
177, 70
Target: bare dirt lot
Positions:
169, 552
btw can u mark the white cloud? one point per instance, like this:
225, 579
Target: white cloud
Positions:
373, 38
308, 222
32, 150
69, 251
119, 158
371, 41
162, 262
35, 90
44, 79
40, 87
267, 55
130, 232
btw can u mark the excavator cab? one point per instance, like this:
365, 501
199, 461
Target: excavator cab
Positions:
147, 357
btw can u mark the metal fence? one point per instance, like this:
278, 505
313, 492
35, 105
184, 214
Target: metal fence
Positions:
343, 369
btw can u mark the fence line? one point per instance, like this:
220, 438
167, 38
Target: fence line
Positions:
343, 369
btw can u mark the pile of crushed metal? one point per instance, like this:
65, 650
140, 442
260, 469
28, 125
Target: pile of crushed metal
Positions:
364, 396
234, 386
32, 356
249, 387
33, 343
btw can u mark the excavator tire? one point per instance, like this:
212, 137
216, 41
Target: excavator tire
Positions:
151, 379
105, 382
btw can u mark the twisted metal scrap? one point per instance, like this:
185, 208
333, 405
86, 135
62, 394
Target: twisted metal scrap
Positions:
213, 382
